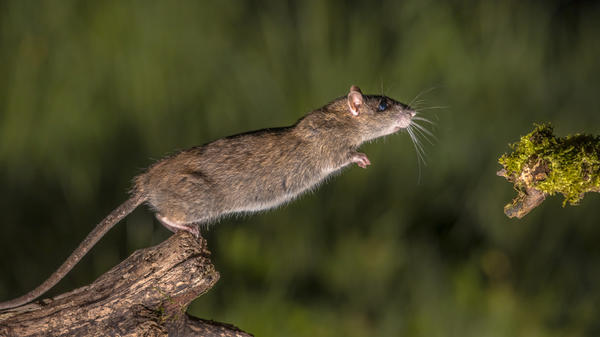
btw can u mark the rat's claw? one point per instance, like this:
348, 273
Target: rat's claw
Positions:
193, 229
361, 160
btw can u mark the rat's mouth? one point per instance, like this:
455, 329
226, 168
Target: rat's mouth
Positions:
404, 120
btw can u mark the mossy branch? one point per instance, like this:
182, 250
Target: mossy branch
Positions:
542, 164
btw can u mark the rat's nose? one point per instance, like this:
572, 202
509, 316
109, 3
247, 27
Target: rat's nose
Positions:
411, 112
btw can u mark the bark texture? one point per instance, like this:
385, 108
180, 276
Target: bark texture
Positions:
145, 295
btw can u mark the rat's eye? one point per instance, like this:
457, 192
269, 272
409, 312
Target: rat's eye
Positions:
382, 105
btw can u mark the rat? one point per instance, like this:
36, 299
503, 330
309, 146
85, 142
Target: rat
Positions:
250, 172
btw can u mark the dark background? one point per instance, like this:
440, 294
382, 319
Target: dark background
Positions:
92, 92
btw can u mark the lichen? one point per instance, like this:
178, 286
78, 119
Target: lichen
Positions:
566, 165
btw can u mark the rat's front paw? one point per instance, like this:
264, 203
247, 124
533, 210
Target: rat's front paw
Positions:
361, 159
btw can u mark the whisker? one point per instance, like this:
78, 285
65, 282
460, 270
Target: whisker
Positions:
422, 129
422, 150
420, 144
421, 93
417, 144
416, 105
417, 153
424, 120
420, 134
433, 114
416, 138
433, 107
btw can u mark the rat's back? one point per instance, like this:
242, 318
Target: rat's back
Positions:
243, 173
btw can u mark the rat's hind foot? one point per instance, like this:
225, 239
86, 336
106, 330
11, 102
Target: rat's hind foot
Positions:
175, 226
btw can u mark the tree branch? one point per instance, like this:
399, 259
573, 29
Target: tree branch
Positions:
145, 295
543, 164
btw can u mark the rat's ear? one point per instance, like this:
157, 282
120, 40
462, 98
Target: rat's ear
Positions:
355, 99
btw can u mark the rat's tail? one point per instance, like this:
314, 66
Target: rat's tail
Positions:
104, 226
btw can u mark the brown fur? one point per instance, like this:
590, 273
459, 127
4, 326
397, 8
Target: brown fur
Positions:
262, 169
250, 172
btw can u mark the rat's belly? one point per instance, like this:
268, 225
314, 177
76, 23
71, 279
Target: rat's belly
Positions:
266, 197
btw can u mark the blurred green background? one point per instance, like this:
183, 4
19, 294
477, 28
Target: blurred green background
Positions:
92, 92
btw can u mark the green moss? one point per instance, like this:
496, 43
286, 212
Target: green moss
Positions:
569, 165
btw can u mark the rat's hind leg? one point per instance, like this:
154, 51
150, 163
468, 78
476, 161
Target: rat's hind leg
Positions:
174, 226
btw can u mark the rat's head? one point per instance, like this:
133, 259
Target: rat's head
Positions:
378, 116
